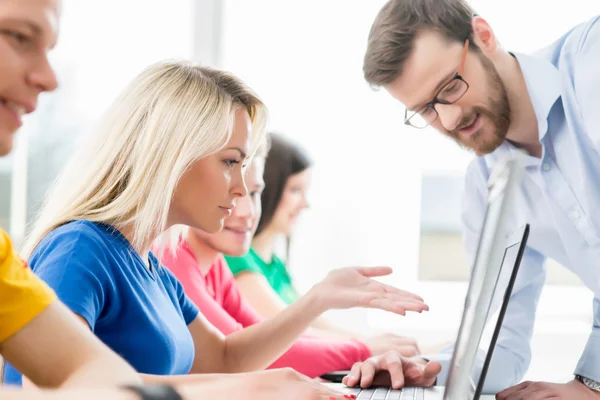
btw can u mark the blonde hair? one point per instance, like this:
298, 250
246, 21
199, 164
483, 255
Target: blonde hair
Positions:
171, 115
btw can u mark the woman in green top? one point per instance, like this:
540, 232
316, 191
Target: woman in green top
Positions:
274, 272
262, 277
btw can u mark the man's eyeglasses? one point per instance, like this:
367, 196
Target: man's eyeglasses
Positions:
449, 94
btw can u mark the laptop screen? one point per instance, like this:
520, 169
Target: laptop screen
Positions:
510, 258
502, 293
486, 272
474, 315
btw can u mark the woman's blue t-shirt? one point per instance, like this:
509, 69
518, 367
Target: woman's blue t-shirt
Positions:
141, 313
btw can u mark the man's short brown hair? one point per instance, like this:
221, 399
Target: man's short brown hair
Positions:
396, 26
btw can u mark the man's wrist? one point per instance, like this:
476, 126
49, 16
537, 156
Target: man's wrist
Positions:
591, 384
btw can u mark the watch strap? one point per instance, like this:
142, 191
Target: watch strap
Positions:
154, 392
590, 383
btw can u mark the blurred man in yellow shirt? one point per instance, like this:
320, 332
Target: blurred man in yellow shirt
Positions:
38, 334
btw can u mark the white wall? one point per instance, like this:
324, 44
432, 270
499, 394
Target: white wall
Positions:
305, 60
111, 41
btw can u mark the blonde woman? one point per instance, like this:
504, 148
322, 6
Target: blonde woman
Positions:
170, 152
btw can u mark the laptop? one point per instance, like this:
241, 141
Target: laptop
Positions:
496, 265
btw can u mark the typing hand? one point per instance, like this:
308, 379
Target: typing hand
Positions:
392, 369
544, 390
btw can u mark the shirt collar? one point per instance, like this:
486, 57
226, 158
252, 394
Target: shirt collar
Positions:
544, 87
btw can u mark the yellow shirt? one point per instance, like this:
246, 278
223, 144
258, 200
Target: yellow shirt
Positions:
23, 296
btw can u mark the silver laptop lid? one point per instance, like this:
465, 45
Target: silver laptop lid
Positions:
502, 187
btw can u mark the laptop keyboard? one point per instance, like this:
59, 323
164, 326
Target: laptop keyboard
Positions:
408, 393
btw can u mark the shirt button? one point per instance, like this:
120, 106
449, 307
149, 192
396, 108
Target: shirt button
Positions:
546, 167
575, 214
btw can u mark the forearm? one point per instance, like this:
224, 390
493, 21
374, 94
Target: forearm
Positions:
199, 390
204, 386
107, 368
66, 394
182, 379
258, 346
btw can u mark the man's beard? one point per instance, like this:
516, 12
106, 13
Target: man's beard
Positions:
497, 111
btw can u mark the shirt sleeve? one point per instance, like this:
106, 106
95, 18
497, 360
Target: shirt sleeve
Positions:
589, 363
210, 308
512, 353
314, 357
23, 296
73, 262
586, 78
237, 265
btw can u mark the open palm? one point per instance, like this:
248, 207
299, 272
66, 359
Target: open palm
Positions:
353, 287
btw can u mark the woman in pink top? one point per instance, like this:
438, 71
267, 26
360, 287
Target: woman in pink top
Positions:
207, 280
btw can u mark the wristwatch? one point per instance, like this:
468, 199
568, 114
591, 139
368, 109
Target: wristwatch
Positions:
590, 383
154, 392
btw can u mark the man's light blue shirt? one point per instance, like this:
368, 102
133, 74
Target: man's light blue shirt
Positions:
560, 197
